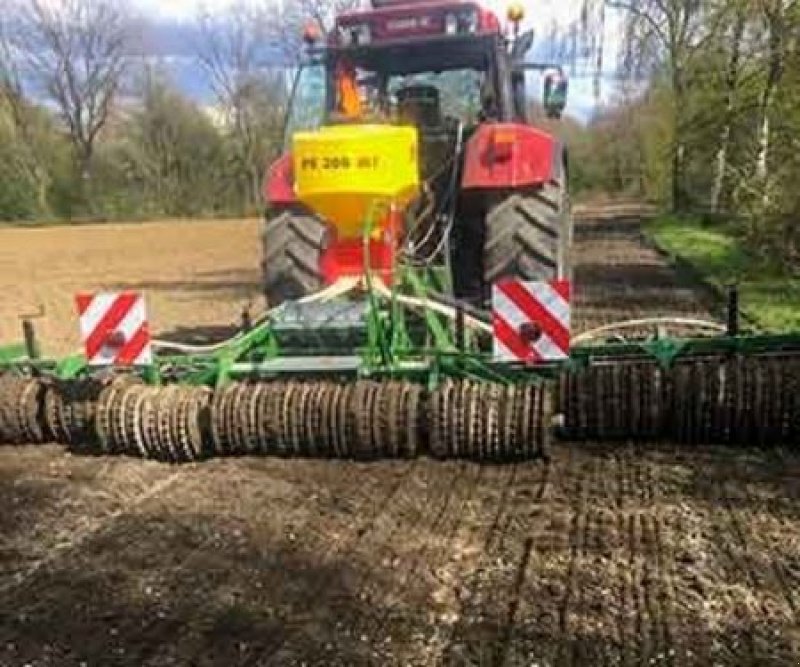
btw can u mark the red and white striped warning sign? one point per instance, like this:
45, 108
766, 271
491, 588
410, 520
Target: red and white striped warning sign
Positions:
531, 321
114, 329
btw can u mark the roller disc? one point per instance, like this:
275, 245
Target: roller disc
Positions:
103, 419
30, 404
381, 430
252, 440
178, 425
525, 421
105, 427
268, 418
12, 388
129, 421
344, 437
441, 426
328, 421
167, 404
412, 408
79, 406
242, 420
505, 401
196, 416
231, 419
219, 431
119, 433
170, 451
392, 418
150, 425
284, 418
140, 414
298, 419
6, 410
360, 417
315, 434
54, 414
492, 437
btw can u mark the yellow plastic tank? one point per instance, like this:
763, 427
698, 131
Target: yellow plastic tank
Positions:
341, 170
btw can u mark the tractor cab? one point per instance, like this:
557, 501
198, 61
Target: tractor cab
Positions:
452, 59
431, 66
451, 74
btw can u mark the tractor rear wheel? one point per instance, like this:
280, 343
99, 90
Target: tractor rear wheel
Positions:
528, 236
293, 243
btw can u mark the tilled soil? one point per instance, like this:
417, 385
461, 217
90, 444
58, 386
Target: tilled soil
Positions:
604, 555
198, 275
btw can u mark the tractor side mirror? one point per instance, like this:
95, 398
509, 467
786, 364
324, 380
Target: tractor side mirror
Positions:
556, 89
520, 97
521, 46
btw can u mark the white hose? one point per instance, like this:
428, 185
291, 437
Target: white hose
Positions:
341, 287
435, 306
656, 321
344, 286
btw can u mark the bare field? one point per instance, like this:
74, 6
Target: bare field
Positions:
622, 555
195, 274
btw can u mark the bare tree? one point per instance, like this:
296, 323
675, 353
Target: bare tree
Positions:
293, 16
666, 34
26, 119
239, 59
733, 37
74, 52
773, 14
11, 90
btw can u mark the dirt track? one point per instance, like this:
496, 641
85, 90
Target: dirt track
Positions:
618, 556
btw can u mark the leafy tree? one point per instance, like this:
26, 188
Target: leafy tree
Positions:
171, 155
236, 54
74, 53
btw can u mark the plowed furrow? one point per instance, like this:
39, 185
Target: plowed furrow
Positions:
336, 547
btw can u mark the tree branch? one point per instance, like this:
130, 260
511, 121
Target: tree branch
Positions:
639, 13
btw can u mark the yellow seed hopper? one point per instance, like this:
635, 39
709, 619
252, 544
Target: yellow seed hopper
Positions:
340, 171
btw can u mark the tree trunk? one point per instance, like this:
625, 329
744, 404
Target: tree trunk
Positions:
678, 190
255, 183
731, 84
84, 168
762, 161
721, 168
599, 64
42, 188
776, 26
678, 145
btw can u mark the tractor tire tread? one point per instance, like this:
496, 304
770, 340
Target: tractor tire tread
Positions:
293, 242
526, 236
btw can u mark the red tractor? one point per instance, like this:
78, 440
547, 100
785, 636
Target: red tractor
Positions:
493, 202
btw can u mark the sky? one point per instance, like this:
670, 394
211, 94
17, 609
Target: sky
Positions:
541, 10
541, 14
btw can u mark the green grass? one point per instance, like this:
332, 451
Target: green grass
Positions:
769, 297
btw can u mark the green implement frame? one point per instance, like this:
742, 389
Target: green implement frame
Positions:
404, 333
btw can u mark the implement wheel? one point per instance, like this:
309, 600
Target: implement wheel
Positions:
528, 236
293, 243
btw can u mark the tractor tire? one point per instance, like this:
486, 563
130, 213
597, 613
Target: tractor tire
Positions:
528, 236
293, 244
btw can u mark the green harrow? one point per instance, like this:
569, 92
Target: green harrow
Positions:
420, 382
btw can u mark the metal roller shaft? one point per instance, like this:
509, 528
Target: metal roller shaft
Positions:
734, 400
744, 400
